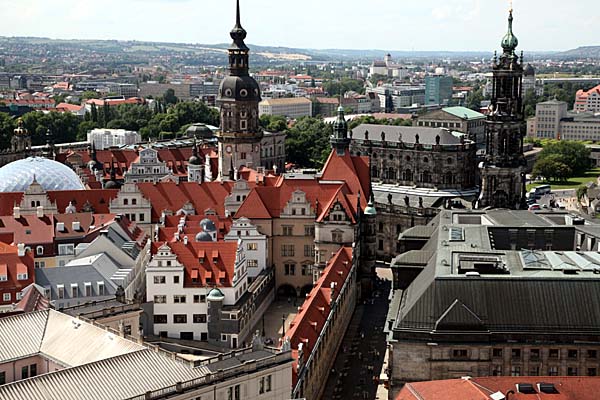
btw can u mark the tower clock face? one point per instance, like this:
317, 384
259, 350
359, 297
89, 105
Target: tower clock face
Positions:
228, 149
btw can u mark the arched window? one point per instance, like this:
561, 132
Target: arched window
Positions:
449, 178
407, 176
391, 173
391, 157
449, 160
425, 160
426, 177
374, 172
39, 250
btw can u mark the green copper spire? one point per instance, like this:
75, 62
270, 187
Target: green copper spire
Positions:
339, 140
510, 41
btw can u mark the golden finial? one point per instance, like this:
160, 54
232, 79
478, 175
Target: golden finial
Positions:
510, 5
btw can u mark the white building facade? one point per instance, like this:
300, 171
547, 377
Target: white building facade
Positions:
105, 138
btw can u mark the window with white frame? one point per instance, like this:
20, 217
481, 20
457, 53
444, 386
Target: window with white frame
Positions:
66, 249
252, 263
160, 299
40, 264
88, 289
101, 289
251, 246
160, 280
6, 297
19, 295
3, 278
179, 299
39, 250
74, 290
60, 291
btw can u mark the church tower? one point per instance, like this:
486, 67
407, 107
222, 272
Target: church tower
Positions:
239, 94
503, 171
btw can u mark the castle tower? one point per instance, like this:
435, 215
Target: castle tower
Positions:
21, 140
503, 171
239, 94
339, 140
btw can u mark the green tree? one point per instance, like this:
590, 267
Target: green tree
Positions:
7, 126
307, 142
90, 94
474, 99
573, 154
169, 97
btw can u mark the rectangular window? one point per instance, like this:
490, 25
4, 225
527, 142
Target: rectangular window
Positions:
25, 372
66, 249
160, 299
199, 318
88, 289
236, 392
553, 353
74, 290
2, 378
592, 354
33, 370
306, 269
22, 277
252, 263
288, 231
180, 318
290, 269
497, 353
176, 279
309, 230
60, 291
553, 371
199, 298
515, 353
6, 297
261, 385
160, 318
515, 370
160, 279
572, 354
309, 250
287, 250
534, 371
142, 218
179, 299
101, 289
497, 370
268, 385
571, 371
251, 246
459, 353
37, 264
590, 372
534, 354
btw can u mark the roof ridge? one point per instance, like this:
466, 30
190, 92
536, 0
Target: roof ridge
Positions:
47, 312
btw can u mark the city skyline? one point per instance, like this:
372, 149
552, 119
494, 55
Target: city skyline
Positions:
338, 24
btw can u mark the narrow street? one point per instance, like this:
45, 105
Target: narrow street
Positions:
359, 362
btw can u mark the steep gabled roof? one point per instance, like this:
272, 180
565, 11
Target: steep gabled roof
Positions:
200, 257
353, 170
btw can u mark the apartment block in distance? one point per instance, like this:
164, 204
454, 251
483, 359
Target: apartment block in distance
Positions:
295, 107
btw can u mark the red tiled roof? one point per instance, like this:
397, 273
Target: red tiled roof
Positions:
33, 300
173, 196
353, 170
221, 264
192, 227
312, 315
11, 261
98, 199
568, 388
64, 107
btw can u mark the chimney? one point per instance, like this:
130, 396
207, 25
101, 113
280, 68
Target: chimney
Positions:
40, 211
17, 212
21, 249
76, 226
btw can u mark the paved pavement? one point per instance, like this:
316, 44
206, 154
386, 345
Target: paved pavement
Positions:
360, 359
273, 318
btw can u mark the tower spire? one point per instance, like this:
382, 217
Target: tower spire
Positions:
237, 15
510, 41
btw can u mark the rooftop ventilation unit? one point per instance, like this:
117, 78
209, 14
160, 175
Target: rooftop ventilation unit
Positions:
497, 396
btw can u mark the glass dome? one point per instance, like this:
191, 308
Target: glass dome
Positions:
51, 175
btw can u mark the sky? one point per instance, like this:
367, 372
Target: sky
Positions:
421, 25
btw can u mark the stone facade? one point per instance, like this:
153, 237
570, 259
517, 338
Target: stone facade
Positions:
416, 157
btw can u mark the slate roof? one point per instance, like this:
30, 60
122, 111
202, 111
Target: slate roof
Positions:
524, 290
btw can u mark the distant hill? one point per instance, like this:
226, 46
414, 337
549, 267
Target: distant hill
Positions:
582, 52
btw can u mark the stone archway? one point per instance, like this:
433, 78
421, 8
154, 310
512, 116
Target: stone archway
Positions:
286, 290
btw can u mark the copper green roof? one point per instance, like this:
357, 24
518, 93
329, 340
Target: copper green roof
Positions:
463, 112
510, 41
